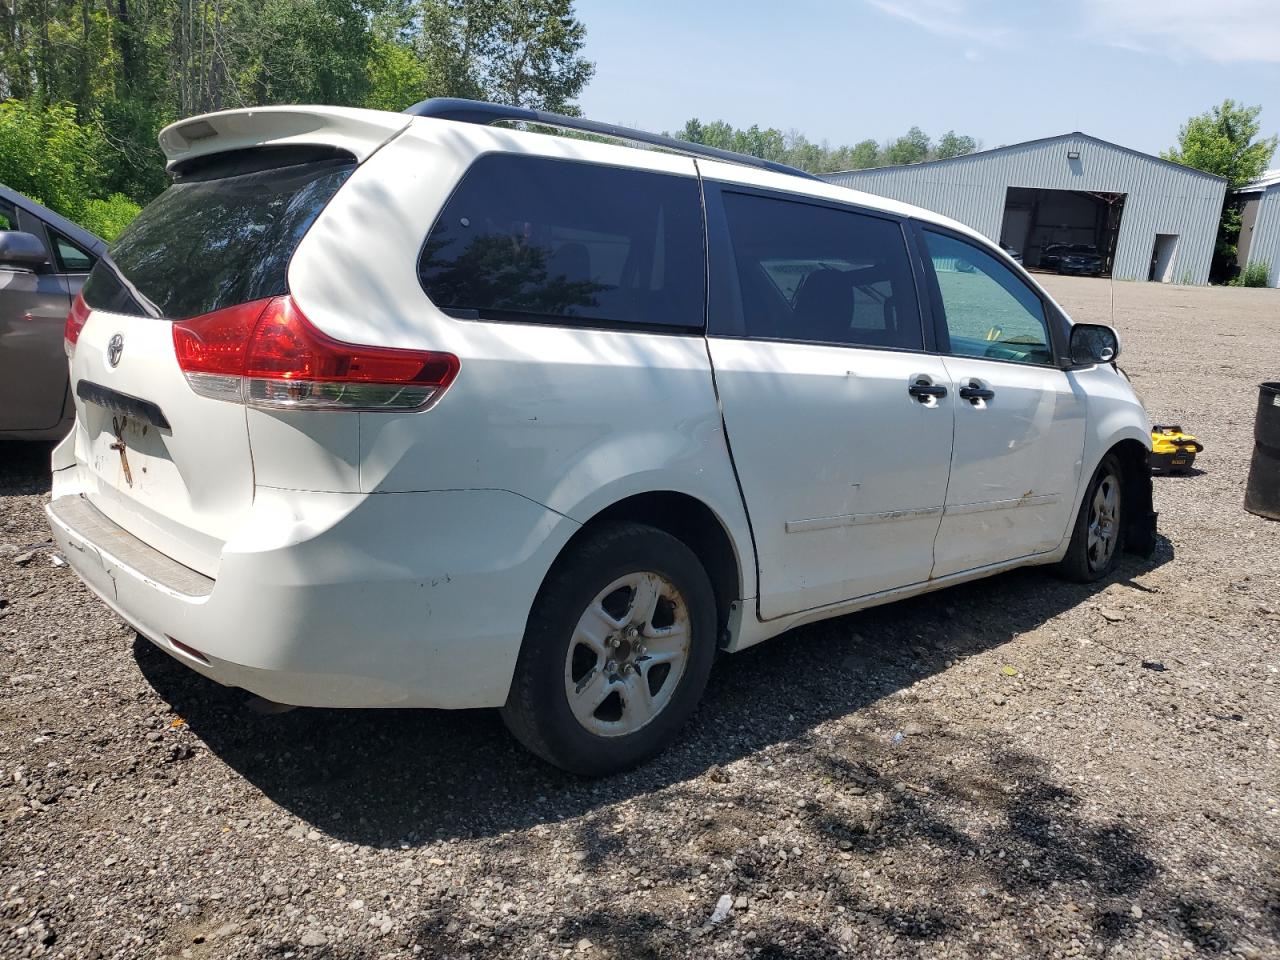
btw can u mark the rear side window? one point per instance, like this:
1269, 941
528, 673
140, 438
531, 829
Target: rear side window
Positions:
214, 242
822, 275
532, 239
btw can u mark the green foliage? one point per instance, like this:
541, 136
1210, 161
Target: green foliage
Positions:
954, 145
795, 150
864, 154
107, 218
1224, 140
911, 147
47, 155
303, 51
1255, 274
1226, 245
90, 83
522, 52
397, 77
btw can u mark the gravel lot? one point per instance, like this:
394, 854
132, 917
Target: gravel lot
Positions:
1017, 767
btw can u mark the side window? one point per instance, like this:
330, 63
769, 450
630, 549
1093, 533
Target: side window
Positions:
71, 258
8, 216
822, 275
541, 240
990, 312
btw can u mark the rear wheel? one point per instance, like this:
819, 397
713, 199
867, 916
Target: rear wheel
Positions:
617, 651
1098, 535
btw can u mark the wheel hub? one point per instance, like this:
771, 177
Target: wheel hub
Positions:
626, 649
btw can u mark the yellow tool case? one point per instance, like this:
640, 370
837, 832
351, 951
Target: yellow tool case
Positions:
1173, 451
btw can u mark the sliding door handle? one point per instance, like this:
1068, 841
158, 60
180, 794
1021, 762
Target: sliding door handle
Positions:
922, 390
973, 391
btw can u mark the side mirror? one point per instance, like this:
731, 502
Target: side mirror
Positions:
18, 249
1093, 343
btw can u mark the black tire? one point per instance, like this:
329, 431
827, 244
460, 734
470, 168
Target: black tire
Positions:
537, 711
1082, 563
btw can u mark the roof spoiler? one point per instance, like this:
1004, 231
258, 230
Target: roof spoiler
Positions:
356, 131
486, 114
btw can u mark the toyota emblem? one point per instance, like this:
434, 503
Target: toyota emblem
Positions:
115, 347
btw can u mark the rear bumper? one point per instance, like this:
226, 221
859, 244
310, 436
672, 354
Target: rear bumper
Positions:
337, 600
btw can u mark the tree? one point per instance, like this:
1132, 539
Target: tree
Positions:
46, 154
954, 145
397, 77
791, 148
692, 131
1224, 141
299, 51
865, 153
521, 52
120, 70
911, 147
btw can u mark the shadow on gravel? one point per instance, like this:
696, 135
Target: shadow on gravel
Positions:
996, 828
1036, 850
392, 777
24, 468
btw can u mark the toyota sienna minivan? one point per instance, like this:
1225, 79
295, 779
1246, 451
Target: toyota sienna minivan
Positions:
431, 410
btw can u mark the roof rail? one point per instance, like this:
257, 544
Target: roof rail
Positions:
480, 112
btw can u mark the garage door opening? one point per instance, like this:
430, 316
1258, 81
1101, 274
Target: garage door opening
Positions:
1063, 231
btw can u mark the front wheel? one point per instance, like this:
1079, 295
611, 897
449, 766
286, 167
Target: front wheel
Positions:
1098, 535
616, 653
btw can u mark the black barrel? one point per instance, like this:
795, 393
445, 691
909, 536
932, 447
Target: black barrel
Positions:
1262, 495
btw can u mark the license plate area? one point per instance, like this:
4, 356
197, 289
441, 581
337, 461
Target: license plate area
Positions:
126, 452
123, 404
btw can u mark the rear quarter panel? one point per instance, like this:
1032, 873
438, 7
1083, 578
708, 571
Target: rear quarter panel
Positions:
572, 418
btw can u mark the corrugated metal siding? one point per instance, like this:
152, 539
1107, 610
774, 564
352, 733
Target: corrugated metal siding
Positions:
1160, 197
1265, 245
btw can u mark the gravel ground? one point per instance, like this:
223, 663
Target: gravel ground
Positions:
1017, 767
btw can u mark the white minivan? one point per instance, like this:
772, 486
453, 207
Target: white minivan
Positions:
425, 409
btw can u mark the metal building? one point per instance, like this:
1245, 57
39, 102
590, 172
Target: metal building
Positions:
1149, 219
1260, 225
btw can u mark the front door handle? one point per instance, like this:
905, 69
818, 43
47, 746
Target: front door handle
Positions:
973, 391
923, 389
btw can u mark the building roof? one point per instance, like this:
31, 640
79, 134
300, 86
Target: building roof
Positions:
1269, 179
1075, 135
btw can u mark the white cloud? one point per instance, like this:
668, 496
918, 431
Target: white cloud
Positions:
960, 19
1225, 30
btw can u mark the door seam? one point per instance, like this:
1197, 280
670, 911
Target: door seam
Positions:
951, 464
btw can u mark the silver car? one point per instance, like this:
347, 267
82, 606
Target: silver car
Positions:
44, 259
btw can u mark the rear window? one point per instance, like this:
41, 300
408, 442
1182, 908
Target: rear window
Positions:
214, 242
531, 239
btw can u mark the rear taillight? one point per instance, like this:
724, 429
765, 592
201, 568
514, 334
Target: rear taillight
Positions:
75, 323
268, 354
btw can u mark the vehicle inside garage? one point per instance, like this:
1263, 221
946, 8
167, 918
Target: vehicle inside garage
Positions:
1061, 230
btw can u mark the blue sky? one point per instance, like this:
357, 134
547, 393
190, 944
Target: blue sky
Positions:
1130, 71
